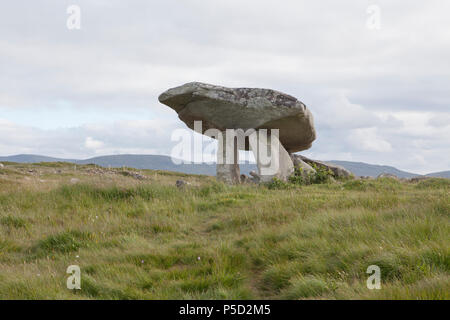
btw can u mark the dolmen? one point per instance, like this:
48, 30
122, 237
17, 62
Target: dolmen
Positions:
268, 119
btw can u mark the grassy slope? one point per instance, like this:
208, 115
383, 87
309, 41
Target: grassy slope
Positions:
146, 239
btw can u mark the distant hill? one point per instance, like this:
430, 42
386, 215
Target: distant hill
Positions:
154, 162
31, 158
158, 162
372, 170
442, 174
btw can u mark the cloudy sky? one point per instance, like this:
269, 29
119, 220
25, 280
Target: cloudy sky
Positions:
380, 93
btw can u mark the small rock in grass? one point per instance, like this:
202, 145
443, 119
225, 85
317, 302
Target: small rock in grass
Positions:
255, 177
244, 178
137, 176
419, 178
181, 184
387, 175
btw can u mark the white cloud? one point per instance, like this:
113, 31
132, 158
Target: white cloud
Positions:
337, 112
368, 139
93, 144
140, 137
440, 120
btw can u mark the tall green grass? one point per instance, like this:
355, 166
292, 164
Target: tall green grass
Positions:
150, 240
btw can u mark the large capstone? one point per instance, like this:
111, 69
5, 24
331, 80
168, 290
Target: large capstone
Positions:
243, 108
224, 108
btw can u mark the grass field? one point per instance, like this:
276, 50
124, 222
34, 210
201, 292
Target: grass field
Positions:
146, 239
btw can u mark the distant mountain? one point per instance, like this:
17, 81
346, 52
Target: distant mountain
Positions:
31, 158
442, 174
372, 170
157, 162
153, 162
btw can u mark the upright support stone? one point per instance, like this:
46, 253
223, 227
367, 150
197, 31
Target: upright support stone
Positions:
272, 159
286, 164
227, 161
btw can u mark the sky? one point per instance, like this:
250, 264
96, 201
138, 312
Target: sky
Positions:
375, 74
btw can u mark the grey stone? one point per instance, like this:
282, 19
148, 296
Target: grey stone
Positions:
181, 184
305, 168
387, 175
338, 171
419, 178
228, 173
135, 175
244, 178
280, 164
255, 177
243, 108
